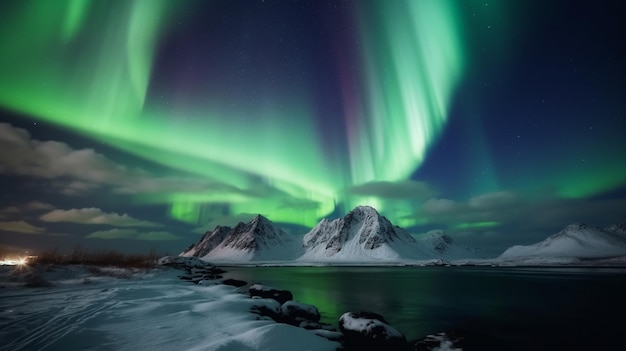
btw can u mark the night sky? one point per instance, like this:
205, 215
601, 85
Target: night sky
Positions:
141, 124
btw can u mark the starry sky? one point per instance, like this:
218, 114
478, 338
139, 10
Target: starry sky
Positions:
140, 124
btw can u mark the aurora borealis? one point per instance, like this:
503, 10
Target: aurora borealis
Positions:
464, 115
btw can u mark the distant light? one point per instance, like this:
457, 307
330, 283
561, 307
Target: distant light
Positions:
20, 261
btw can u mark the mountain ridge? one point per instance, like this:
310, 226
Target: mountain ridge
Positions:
362, 235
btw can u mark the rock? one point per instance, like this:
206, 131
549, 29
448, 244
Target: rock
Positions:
195, 269
267, 308
186, 263
294, 312
234, 282
370, 331
267, 292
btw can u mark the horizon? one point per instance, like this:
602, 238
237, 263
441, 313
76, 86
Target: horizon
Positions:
139, 125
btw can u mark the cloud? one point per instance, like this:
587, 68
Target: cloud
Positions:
491, 207
95, 216
133, 234
511, 212
437, 207
23, 208
495, 221
29, 206
492, 200
20, 227
51, 159
76, 172
406, 189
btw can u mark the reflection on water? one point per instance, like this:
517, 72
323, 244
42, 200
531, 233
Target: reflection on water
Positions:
510, 303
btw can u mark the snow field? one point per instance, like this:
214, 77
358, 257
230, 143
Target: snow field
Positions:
148, 311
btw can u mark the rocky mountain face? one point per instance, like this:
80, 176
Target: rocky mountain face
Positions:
258, 234
363, 224
208, 242
257, 239
362, 235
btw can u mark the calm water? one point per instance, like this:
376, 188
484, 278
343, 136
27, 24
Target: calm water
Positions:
571, 307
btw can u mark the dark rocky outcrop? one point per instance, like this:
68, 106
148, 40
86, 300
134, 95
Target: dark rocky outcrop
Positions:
195, 270
294, 313
269, 308
370, 331
267, 292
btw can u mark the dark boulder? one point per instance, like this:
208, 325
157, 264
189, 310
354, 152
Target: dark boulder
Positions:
194, 269
267, 292
370, 331
294, 313
267, 308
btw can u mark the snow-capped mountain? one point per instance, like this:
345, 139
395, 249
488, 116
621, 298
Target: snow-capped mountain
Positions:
362, 235
576, 240
258, 239
444, 246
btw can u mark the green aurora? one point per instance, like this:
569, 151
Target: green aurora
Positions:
482, 118
88, 65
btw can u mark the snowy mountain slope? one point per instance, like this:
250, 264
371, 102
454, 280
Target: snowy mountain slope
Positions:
445, 247
576, 240
256, 240
362, 235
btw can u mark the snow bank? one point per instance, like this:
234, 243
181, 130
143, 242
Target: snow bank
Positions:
149, 310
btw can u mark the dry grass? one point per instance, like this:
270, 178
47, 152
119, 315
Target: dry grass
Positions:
80, 255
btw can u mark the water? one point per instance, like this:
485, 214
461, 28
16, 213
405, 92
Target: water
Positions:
533, 308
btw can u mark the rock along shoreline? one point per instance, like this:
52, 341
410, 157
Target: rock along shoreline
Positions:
357, 330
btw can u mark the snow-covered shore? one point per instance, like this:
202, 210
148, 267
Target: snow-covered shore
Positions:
78, 307
106, 308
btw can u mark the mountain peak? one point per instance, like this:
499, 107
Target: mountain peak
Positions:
257, 239
260, 217
578, 226
256, 220
364, 209
362, 234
